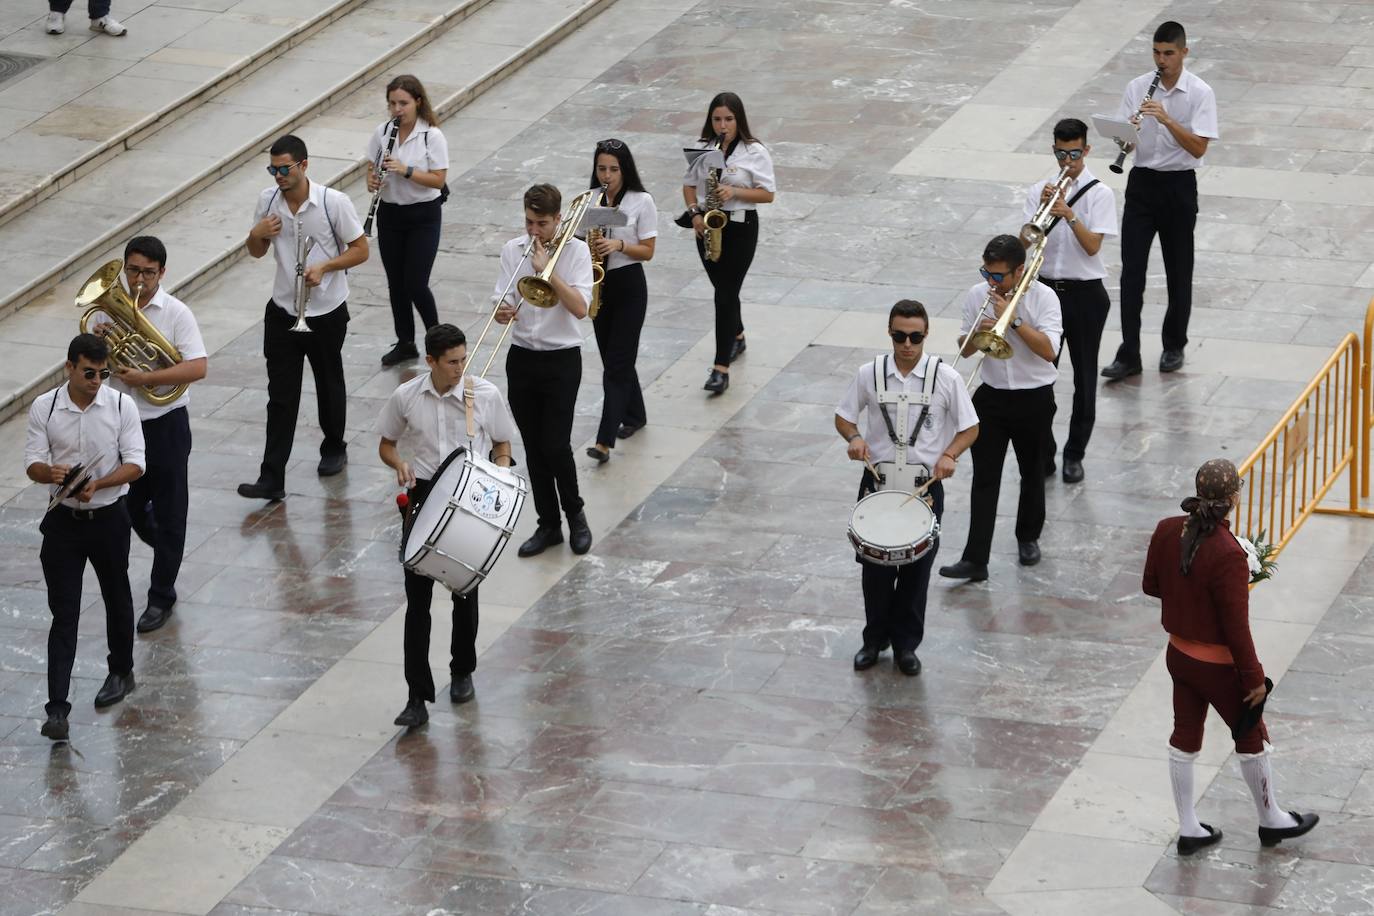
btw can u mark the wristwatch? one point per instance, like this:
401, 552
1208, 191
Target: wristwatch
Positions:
1016, 323
410, 170
1073, 221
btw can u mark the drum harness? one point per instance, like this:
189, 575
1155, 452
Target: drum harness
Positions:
897, 433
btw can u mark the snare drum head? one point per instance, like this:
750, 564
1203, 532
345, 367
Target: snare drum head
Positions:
891, 518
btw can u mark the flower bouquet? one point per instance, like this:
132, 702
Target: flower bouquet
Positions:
1259, 554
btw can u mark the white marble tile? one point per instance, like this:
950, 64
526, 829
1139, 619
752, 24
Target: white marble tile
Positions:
1059, 862
1115, 902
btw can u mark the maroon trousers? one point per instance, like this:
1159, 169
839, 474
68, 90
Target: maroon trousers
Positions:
1198, 685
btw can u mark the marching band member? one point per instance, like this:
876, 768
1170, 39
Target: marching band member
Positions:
544, 369
1084, 214
1201, 575
624, 295
410, 214
895, 597
158, 500
326, 216
83, 423
746, 182
1015, 405
431, 407
1161, 196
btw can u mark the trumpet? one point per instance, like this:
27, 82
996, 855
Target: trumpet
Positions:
1119, 165
993, 341
1034, 232
133, 340
303, 246
714, 217
594, 234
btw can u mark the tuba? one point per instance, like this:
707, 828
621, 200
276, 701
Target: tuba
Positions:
594, 234
537, 290
134, 342
714, 218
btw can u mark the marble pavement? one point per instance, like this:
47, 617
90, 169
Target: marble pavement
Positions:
670, 725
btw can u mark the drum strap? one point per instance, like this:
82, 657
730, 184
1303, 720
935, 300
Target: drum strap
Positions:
470, 406
927, 389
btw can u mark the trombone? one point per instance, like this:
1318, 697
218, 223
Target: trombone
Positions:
993, 341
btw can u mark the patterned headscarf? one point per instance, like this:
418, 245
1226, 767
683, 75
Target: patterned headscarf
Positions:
1217, 481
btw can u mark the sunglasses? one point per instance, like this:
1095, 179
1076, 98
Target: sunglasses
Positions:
281, 170
606, 146
901, 337
1072, 155
989, 275
92, 373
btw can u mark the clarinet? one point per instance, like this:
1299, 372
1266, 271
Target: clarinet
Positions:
1118, 165
381, 176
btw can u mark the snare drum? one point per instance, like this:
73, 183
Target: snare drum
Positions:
460, 529
890, 528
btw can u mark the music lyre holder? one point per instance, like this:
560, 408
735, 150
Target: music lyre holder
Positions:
699, 160
603, 217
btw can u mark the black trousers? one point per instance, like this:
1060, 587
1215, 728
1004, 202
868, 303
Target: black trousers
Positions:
624, 301
69, 542
408, 235
286, 352
541, 386
1163, 203
463, 645
727, 277
1021, 417
895, 596
157, 501
1084, 304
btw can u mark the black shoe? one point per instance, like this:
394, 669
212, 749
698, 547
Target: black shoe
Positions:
867, 657
414, 715
1073, 470
974, 572
1029, 552
153, 618
1272, 836
1050, 468
261, 490
717, 382
1187, 845
1171, 361
737, 348
1119, 370
404, 351
542, 539
907, 662
332, 464
579, 534
628, 429
115, 688
461, 690
598, 455
56, 727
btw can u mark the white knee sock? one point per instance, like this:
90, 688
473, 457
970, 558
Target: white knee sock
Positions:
1181, 777
1260, 779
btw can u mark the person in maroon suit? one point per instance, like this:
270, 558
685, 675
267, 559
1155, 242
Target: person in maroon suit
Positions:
1199, 571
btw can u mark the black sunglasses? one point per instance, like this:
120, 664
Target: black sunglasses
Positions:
901, 337
1071, 154
92, 373
282, 170
607, 146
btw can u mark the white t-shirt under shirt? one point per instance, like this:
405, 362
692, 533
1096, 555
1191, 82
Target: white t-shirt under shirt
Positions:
328, 217
1039, 308
425, 150
1065, 258
552, 328
1191, 103
436, 424
176, 323
951, 411
639, 209
748, 165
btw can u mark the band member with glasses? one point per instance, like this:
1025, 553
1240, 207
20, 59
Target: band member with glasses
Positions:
544, 368
1015, 404
895, 596
326, 216
624, 294
1176, 126
158, 500
432, 411
746, 182
1084, 215
410, 214
85, 428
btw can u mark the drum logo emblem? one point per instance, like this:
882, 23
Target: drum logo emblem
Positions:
484, 498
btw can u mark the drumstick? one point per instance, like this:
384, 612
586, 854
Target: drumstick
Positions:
919, 492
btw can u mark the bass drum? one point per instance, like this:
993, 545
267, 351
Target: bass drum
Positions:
459, 531
892, 529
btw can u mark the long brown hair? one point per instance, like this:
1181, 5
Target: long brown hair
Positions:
416, 90
732, 102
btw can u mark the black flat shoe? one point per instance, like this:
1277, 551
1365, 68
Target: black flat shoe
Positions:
907, 662
737, 348
1272, 836
1073, 470
56, 727
628, 429
404, 351
540, 541
974, 572
867, 657
261, 490
579, 533
414, 715
153, 618
1187, 845
461, 690
1028, 552
1118, 370
1171, 361
717, 382
115, 688
332, 464
598, 455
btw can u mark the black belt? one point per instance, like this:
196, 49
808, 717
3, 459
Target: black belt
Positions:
1063, 286
87, 515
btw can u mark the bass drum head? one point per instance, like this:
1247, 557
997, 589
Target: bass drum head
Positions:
448, 479
891, 518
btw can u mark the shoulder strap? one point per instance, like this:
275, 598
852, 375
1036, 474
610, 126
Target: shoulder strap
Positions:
1071, 201
470, 406
52, 406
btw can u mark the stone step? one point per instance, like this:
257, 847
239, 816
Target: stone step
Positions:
205, 228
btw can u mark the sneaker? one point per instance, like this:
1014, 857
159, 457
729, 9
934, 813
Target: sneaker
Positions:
109, 25
57, 23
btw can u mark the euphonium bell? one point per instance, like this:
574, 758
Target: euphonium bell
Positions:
133, 340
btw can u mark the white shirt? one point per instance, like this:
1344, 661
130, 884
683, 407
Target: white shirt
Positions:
747, 166
171, 317
1065, 258
1191, 103
331, 236
639, 209
553, 328
1039, 308
437, 423
97, 437
951, 411
425, 150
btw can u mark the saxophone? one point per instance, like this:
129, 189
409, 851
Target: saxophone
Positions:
134, 342
594, 235
715, 218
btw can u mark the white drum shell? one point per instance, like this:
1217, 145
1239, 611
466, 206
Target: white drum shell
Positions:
890, 528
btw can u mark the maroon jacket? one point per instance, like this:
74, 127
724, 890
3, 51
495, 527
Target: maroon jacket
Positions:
1212, 603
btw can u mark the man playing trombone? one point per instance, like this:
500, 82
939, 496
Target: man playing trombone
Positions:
544, 366
1015, 403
